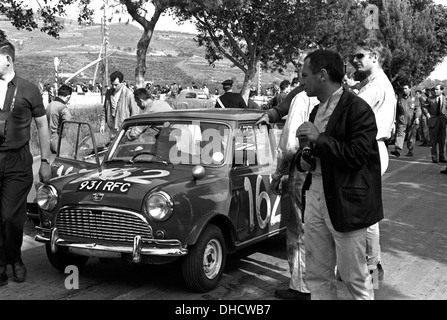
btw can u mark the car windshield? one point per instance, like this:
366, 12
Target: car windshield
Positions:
177, 142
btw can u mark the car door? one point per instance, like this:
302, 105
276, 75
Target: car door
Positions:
257, 208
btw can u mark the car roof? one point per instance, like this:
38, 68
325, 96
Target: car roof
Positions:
229, 114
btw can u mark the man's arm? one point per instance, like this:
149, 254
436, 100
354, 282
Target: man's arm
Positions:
44, 142
277, 113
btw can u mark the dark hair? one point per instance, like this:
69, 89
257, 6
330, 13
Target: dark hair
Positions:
284, 84
295, 80
418, 91
64, 91
329, 60
143, 94
116, 74
375, 46
8, 48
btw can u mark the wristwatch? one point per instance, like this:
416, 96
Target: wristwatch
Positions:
45, 160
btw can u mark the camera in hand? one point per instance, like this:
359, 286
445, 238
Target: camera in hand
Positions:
308, 155
307, 151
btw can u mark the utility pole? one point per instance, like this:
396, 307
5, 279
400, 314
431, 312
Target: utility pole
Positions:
105, 42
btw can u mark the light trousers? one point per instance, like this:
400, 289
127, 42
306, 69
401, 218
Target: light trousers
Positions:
326, 247
296, 253
373, 232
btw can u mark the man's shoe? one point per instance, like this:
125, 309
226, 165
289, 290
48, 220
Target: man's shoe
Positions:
19, 271
434, 161
409, 154
444, 171
381, 272
442, 161
3, 279
291, 294
395, 153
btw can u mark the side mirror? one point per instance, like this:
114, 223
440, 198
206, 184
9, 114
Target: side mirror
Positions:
198, 172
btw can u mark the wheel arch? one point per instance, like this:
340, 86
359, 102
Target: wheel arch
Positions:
222, 222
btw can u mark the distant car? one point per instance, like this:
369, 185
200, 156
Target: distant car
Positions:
192, 185
193, 99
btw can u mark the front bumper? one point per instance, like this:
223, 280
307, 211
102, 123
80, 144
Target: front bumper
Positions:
153, 247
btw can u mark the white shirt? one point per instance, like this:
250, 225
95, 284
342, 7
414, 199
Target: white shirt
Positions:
299, 111
322, 117
380, 95
4, 89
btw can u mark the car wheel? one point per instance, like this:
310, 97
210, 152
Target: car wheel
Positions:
61, 259
203, 267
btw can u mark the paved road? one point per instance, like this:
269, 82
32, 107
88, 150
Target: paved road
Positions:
413, 239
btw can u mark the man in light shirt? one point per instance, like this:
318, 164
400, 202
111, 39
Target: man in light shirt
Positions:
119, 104
376, 89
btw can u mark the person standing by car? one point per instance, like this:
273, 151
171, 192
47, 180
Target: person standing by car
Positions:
230, 99
147, 104
345, 194
57, 112
20, 102
119, 104
299, 111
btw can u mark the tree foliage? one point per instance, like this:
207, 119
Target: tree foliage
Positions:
247, 32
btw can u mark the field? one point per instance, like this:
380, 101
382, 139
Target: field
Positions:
172, 57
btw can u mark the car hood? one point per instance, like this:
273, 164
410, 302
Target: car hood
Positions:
124, 187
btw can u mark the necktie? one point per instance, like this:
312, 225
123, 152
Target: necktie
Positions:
438, 112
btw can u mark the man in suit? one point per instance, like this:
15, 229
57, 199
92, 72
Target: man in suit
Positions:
345, 194
435, 111
230, 99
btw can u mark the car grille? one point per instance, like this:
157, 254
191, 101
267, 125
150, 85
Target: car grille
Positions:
102, 225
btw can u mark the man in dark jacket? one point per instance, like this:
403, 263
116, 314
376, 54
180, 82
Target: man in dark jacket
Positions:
345, 195
230, 99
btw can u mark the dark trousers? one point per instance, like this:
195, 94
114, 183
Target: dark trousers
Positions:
16, 179
437, 141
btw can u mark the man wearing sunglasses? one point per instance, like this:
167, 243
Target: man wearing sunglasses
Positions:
376, 89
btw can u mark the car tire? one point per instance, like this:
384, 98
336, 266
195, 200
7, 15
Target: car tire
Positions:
203, 266
60, 260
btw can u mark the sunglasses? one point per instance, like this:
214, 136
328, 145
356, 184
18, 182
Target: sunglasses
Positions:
359, 56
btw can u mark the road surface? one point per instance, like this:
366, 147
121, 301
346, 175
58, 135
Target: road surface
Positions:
413, 240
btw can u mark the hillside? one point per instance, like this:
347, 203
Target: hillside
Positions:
173, 56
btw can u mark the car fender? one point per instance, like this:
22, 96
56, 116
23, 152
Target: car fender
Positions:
212, 217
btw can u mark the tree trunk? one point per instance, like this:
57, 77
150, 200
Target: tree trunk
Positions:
248, 80
142, 47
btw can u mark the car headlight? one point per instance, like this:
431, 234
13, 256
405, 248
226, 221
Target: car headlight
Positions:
46, 197
158, 206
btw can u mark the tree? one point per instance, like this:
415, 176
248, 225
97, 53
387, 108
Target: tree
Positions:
246, 32
23, 17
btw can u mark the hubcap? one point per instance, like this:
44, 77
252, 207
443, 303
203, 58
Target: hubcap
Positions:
212, 259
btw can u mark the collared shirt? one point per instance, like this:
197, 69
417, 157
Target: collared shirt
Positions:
114, 97
28, 104
379, 93
322, 118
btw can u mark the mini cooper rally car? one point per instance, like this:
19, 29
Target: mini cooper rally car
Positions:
185, 184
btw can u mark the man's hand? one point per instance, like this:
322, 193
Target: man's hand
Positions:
308, 131
101, 129
276, 184
45, 172
263, 119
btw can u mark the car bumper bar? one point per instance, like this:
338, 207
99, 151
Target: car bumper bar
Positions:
155, 247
